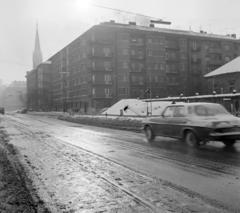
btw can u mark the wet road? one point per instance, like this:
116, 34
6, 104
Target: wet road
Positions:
210, 173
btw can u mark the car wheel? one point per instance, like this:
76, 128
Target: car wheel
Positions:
149, 134
229, 143
191, 139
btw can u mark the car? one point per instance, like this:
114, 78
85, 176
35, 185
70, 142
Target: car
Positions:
23, 110
2, 110
194, 123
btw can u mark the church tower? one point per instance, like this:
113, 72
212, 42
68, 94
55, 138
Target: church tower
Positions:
37, 54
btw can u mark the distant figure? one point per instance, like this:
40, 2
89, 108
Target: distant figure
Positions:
71, 112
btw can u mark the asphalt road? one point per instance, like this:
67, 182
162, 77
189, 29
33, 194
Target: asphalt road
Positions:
210, 174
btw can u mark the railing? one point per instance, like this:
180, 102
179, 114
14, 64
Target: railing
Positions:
101, 82
215, 50
172, 71
196, 48
137, 44
214, 62
109, 69
108, 55
173, 83
101, 96
196, 60
176, 47
104, 41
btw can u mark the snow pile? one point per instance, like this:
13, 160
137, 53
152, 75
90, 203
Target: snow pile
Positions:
137, 107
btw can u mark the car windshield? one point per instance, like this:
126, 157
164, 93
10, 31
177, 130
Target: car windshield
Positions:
210, 110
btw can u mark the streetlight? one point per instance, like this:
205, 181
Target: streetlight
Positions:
214, 98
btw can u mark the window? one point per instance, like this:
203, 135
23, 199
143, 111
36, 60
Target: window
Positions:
208, 69
140, 53
125, 51
107, 64
125, 64
167, 67
149, 78
132, 52
227, 58
206, 46
133, 65
156, 78
155, 66
140, 40
133, 78
162, 66
149, 52
141, 79
183, 43
106, 50
167, 55
194, 56
194, 44
173, 55
124, 91
195, 68
93, 78
179, 111
93, 91
149, 40
140, 66
168, 112
227, 47
183, 55
108, 77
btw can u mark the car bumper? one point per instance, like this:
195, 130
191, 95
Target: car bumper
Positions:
228, 135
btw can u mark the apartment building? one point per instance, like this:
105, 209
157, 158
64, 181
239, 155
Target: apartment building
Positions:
39, 87
112, 61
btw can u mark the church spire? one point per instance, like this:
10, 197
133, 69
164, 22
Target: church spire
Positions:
37, 54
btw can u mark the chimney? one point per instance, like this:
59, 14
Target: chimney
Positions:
132, 23
151, 25
234, 35
112, 21
201, 31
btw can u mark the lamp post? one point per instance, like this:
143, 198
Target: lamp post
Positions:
214, 98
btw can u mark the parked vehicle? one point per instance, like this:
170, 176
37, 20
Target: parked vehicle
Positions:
2, 110
23, 110
195, 123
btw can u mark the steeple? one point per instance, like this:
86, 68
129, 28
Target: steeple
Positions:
37, 54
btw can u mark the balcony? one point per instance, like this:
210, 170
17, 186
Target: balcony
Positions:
100, 55
100, 41
172, 72
101, 96
196, 60
196, 48
215, 50
99, 69
137, 44
137, 83
172, 59
99, 82
138, 57
173, 47
173, 83
214, 62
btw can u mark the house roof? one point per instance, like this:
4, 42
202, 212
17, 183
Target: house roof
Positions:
231, 67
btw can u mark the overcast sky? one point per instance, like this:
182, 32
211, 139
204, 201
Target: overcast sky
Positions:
61, 21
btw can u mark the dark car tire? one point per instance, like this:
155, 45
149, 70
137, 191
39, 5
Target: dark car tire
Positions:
149, 134
229, 143
191, 139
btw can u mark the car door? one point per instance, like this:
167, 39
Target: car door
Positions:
178, 121
163, 123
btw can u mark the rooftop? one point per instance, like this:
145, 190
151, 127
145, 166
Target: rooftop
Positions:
171, 31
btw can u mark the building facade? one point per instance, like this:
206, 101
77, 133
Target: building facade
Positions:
13, 96
39, 87
112, 61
